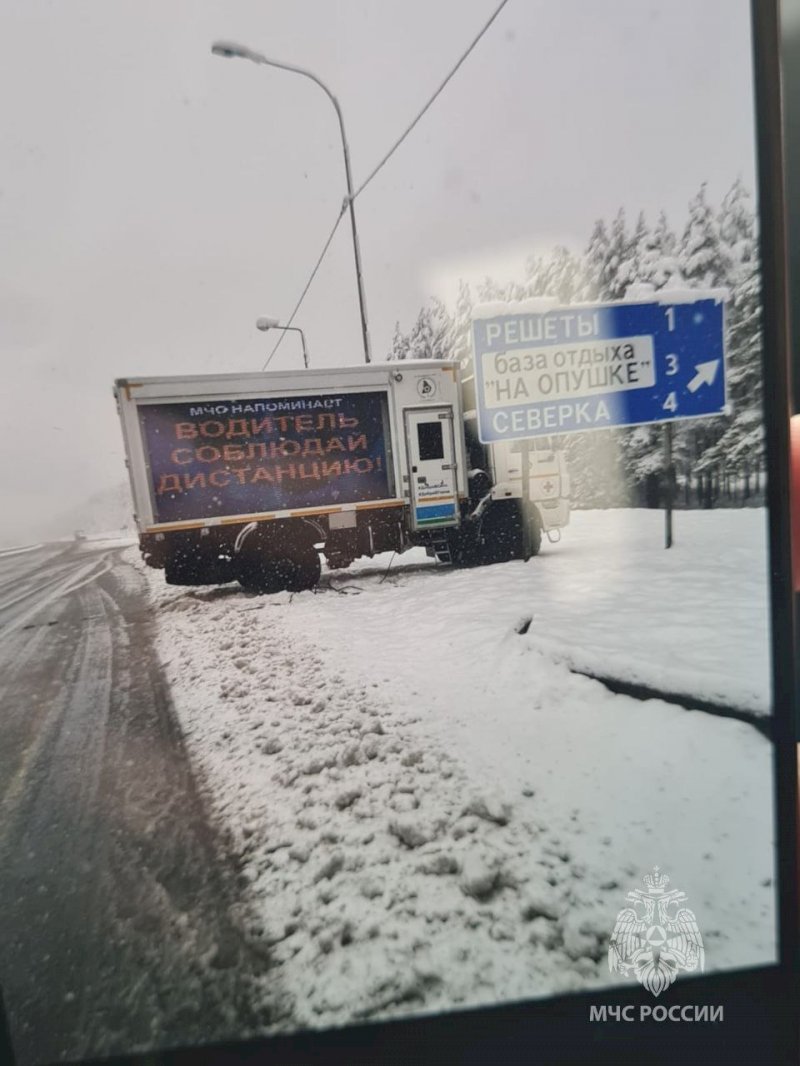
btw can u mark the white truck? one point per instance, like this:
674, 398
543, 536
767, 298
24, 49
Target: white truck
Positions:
254, 477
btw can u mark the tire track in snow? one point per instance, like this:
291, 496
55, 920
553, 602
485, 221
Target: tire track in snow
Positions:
48, 848
187, 975
117, 924
50, 591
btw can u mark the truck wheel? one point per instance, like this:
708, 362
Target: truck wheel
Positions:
304, 568
184, 566
261, 574
501, 533
296, 570
535, 531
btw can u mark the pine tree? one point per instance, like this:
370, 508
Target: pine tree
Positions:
400, 344
421, 339
637, 247
462, 325
489, 290
431, 336
596, 259
560, 276
741, 445
736, 231
535, 270
619, 267
660, 255
701, 260
442, 338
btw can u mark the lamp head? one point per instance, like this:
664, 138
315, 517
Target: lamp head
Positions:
266, 323
229, 50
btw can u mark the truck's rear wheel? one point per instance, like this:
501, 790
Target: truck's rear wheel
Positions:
261, 574
296, 569
305, 568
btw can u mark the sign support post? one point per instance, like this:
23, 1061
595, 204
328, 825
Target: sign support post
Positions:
525, 460
668, 485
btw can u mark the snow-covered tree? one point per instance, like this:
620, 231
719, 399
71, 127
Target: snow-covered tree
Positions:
620, 269
637, 246
736, 232
742, 443
560, 276
701, 260
462, 325
431, 337
596, 259
737, 442
660, 256
489, 290
399, 344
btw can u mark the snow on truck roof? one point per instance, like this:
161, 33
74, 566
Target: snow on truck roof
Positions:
383, 369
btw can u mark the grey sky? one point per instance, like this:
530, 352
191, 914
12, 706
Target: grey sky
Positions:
155, 199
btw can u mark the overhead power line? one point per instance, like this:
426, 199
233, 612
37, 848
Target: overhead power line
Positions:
427, 106
376, 170
317, 265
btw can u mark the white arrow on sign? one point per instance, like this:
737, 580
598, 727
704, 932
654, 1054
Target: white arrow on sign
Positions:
706, 372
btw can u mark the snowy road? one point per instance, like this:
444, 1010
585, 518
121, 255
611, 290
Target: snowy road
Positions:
435, 810
118, 919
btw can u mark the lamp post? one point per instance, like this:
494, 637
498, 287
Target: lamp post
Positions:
225, 48
272, 323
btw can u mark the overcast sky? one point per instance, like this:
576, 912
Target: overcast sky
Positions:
155, 199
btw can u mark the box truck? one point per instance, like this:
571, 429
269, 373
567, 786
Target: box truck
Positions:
255, 477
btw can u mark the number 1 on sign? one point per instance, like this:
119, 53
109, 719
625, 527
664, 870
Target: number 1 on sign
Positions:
670, 313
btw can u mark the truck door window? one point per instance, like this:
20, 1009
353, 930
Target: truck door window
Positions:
430, 440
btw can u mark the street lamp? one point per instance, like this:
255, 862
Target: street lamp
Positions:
272, 323
225, 48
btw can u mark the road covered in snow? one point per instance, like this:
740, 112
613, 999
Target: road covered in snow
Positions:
433, 809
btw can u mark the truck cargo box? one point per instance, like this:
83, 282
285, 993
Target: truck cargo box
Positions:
231, 448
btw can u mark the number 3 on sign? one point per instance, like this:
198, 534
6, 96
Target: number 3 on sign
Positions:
671, 403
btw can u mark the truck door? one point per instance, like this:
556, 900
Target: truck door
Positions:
431, 467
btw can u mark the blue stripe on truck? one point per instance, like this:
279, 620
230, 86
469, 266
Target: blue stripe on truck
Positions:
438, 510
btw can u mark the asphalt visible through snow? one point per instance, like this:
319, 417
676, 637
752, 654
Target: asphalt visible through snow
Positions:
120, 920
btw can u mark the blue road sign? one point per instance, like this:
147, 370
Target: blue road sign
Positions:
594, 367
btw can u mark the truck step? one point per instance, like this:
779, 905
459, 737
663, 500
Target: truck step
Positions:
440, 543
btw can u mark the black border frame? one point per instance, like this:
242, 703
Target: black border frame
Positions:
760, 1005
767, 75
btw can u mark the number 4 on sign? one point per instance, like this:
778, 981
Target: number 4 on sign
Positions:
671, 403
